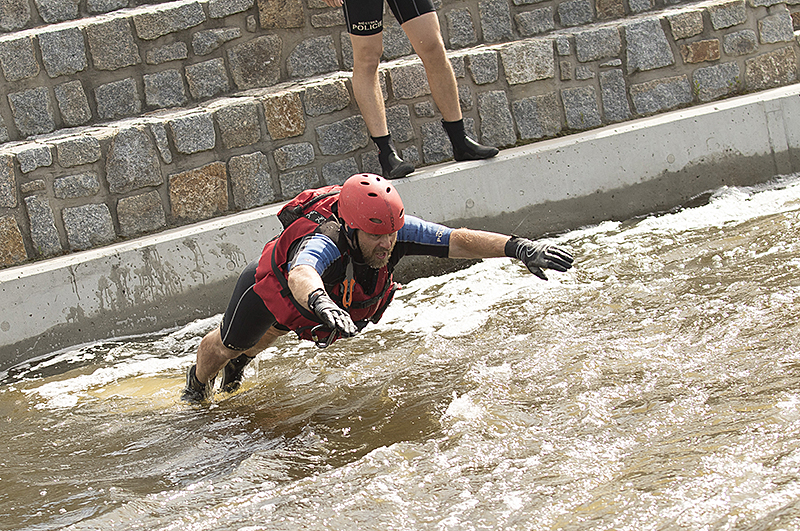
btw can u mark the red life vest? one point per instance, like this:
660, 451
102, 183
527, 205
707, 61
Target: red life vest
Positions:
301, 217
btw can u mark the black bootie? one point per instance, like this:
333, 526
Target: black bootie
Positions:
464, 148
197, 392
233, 374
392, 165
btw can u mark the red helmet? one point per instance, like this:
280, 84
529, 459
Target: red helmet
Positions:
370, 203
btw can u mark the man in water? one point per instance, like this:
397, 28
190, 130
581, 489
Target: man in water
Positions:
329, 274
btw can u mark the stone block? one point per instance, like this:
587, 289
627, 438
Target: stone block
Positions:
609, 9
795, 20
3, 131
773, 69
497, 125
8, 182
63, 51
563, 45
347, 51
12, 248
584, 72
409, 81
537, 116
281, 14
465, 100
395, 43
251, 24
72, 103
32, 111
535, 21
160, 20
599, 43
425, 109
313, 56
580, 107
436, 146
176, 51
159, 131
343, 136
575, 12
326, 98
528, 61
328, 19
199, 194
36, 185
118, 99
88, 226
776, 28
207, 79
251, 183
740, 43
648, 47
77, 150
80, 185
294, 182
14, 14
700, 51
18, 59
640, 6
728, 14
284, 115
111, 44
140, 214
43, 226
661, 94
460, 28
614, 96
565, 69
339, 171
293, 155
53, 11
256, 63
716, 81
33, 156
223, 8
769, 3
686, 24
164, 89
495, 17
193, 133
398, 118
105, 6
131, 162
206, 41
238, 124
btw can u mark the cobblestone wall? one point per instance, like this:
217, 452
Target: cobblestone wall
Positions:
141, 119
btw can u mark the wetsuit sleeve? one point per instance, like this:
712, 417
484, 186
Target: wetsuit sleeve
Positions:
420, 237
316, 250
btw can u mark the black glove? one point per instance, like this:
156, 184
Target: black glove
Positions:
538, 255
330, 314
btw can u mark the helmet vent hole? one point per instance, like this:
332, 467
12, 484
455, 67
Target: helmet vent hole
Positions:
372, 194
376, 221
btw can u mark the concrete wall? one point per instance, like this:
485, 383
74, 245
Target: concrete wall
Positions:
645, 165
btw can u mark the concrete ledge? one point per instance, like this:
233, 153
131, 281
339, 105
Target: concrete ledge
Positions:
615, 172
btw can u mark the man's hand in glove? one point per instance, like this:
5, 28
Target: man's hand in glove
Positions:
539, 255
330, 314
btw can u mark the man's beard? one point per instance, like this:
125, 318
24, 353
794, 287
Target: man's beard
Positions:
373, 261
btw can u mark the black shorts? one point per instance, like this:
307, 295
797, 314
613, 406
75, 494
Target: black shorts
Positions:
365, 17
247, 318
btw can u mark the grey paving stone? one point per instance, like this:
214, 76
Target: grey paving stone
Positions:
72, 103
131, 161
425, 109
36, 185
53, 11
497, 124
465, 99
776, 28
537, 116
223, 8
161, 20
118, 99
206, 41
580, 107
535, 21
728, 14
563, 45
686, 24
43, 226
313, 56
77, 150
164, 89
207, 79
80, 185
8, 182
293, 155
159, 132
648, 47
527, 61
140, 214
495, 17
105, 6
251, 182
343, 136
565, 69
460, 28
326, 98
575, 12
395, 42
18, 59
238, 124
772, 69
14, 14
294, 182
640, 6
436, 146
739, 43
716, 81
614, 96
328, 19
337, 172
169, 52
63, 51
600, 43
3, 131
584, 72
33, 156
398, 118
32, 111
409, 81
661, 94
193, 133
111, 44
256, 63
88, 226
